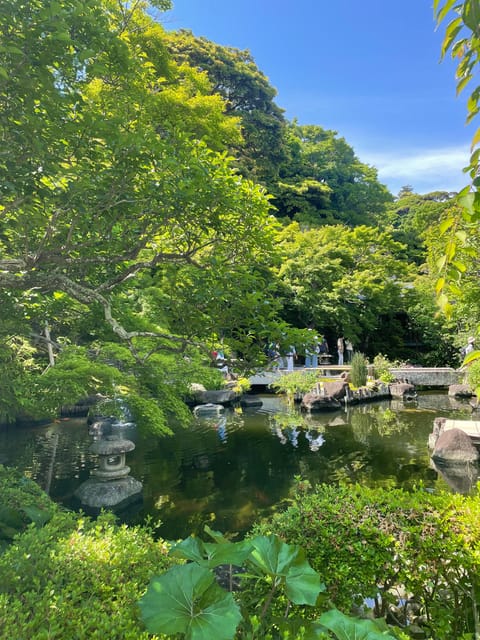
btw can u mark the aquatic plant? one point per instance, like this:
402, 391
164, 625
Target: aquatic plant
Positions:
359, 370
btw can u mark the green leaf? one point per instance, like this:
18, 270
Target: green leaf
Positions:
471, 15
444, 10
211, 554
459, 266
440, 285
187, 600
463, 83
37, 515
466, 201
441, 262
476, 138
280, 560
217, 536
471, 357
446, 224
303, 583
451, 32
348, 628
273, 556
189, 549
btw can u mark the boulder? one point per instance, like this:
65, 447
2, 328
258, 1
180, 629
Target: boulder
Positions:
315, 402
337, 389
403, 390
460, 391
250, 401
454, 446
208, 409
220, 396
196, 387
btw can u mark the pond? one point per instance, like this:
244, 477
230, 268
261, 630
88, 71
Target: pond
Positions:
233, 469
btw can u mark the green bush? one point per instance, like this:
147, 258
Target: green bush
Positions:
359, 370
381, 367
22, 502
473, 376
381, 544
296, 382
77, 578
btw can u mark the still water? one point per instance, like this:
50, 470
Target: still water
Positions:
233, 469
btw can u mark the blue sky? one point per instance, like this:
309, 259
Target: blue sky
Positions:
369, 70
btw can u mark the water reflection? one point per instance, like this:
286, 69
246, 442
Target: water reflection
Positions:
233, 468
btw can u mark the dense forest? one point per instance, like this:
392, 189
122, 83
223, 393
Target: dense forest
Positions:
156, 204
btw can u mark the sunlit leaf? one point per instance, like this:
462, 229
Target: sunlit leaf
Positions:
451, 32
440, 284
211, 554
476, 138
445, 9
471, 357
463, 83
446, 224
280, 560
348, 628
186, 599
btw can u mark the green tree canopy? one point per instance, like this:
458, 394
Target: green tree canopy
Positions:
342, 279
413, 215
248, 95
116, 194
323, 182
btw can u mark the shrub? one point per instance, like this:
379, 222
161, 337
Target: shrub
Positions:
473, 376
77, 578
379, 544
296, 382
382, 366
22, 502
359, 370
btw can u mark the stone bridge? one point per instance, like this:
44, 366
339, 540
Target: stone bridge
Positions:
429, 376
439, 377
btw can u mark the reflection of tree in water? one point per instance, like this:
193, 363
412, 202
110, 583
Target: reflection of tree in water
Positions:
56, 456
351, 467
376, 422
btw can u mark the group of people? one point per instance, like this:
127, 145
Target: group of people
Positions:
315, 349
344, 348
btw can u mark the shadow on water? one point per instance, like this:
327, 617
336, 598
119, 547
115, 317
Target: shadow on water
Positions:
231, 469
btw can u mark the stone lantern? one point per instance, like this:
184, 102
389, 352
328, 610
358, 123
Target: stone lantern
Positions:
109, 484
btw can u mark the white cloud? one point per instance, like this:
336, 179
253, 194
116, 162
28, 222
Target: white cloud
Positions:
424, 169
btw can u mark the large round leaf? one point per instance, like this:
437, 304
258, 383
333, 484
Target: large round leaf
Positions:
186, 599
287, 563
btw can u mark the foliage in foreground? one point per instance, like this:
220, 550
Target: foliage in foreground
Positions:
392, 547
77, 578
187, 600
22, 503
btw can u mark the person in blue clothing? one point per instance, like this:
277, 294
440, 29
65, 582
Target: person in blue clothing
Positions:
311, 352
291, 354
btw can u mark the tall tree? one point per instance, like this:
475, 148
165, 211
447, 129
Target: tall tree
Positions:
345, 280
248, 95
106, 180
413, 215
323, 182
